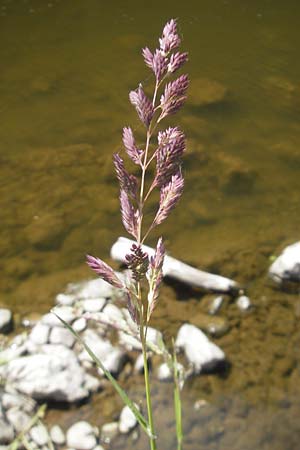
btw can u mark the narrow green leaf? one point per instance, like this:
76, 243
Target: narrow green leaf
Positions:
177, 402
140, 418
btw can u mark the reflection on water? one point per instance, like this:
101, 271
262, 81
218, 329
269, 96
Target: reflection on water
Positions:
66, 69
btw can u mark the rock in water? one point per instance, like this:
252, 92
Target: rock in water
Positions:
200, 352
6, 322
287, 266
127, 420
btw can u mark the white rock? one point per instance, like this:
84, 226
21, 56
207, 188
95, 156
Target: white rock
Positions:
113, 358
62, 336
287, 265
176, 269
14, 399
67, 313
243, 302
5, 320
109, 431
81, 436
164, 373
127, 420
18, 418
92, 305
57, 435
200, 352
113, 313
39, 334
216, 304
80, 324
98, 447
39, 435
6, 432
52, 375
92, 384
65, 299
91, 289
154, 337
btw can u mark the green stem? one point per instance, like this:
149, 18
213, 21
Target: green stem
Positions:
147, 389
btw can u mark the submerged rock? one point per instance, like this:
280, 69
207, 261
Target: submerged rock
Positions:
243, 303
204, 91
200, 352
287, 266
214, 325
57, 435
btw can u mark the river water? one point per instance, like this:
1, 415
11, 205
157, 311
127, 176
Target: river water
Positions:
66, 70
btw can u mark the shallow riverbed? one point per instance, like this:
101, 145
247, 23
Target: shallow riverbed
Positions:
66, 70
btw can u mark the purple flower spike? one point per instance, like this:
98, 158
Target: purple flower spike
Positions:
169, 154
133, 152
138, 262
170, 39
176, 61
142, 105
127, 181
169, 195
130, 218
174, 96
104, 271
148, 57
155, 276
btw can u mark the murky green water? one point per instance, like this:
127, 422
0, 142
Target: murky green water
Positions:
66, 69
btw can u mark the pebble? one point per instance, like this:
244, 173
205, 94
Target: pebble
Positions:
6, 432
62, 336
39, 435
39, 334
287, 266
109, 431
243, 303
18, 418
80, 324
216, 305
92, 305
200, 352
127, 421
165, 373
81, 436
57, 435
67, 313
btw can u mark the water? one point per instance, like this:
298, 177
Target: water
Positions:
66, 70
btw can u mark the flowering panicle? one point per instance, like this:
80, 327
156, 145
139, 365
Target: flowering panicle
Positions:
138, 262
132, 151
169, 154
105, 271
155, 275
142, 104
130, 217
170, 39
128, 182
174, 96
176, 61
170, 193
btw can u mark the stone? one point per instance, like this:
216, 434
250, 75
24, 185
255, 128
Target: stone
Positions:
6, 432
15, 399
92, 305
200, 352
204, 91
287, 266
127, 420
57, 435
243, 303
81, 436
165, 373
39, 434
53, 375
216, 305
214, 325
109, 431
113, 313
92, 384
79, 325
67, 313
113, 358
96, 288
18, 418
65, 299
39, 334
62, 336
6, 320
